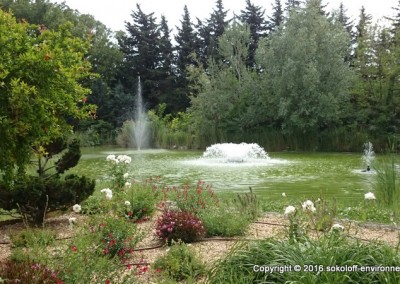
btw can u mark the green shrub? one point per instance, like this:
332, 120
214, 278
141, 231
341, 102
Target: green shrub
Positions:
33, 237
194, 198
224, 220
35, 196
179, 225
139, 201
180, 263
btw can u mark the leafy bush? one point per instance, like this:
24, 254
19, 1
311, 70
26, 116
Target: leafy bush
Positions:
224, 221
179, 225
180, 263
28, 272
116, 236
139, 200
33, 237
194, 199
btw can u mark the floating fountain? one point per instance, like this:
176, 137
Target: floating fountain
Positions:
141, 127
235, 153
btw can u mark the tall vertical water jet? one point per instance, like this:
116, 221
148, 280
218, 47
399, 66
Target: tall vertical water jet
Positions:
141, 126
368, 155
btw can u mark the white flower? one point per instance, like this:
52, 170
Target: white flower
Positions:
108, 193
308, 206
127, 203
283, 194
369, 196
111, 158
128, 184
290, 210
337, 227
126, 175
76, 208
124, 159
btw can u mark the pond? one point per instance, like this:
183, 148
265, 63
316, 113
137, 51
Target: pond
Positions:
297, 174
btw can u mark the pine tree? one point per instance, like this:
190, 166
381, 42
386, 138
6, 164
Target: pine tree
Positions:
342, 18
186, 45
142, 55
186, 51
167, 80
277, 16
210, 31
292, 4
253, 16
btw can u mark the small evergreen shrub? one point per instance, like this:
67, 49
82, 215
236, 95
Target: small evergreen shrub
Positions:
180, 263
179, 225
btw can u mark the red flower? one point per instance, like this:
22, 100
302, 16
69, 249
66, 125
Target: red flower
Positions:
108, 281
73, 248
129, 266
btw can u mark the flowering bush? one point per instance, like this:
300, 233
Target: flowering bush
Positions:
179, 225
119, 168
117, 237
140, 200
28, 272
194, 199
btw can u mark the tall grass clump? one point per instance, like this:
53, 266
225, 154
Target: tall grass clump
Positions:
319, 260
387, 185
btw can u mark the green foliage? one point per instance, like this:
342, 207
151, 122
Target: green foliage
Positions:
179, 225
304, 71
194, 199
40, 88
328, 251
138, 201
248, 204
33, 237
225, 220
35, 196
387, 186
125, 136
180, 263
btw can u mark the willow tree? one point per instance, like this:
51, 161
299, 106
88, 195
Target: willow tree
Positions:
218, 108
40, 89
304, 70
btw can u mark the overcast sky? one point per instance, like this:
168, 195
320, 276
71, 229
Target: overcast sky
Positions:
114, 13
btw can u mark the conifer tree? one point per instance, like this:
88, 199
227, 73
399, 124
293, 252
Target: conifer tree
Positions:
253, 16
142, 55
277, 16
209, 32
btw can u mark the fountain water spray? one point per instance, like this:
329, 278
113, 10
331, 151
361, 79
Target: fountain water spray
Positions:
235, 153
141, 126
368, 155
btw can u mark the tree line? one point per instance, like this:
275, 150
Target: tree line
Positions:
296, 72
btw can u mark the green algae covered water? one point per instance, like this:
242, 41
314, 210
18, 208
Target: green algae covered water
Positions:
336, 175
